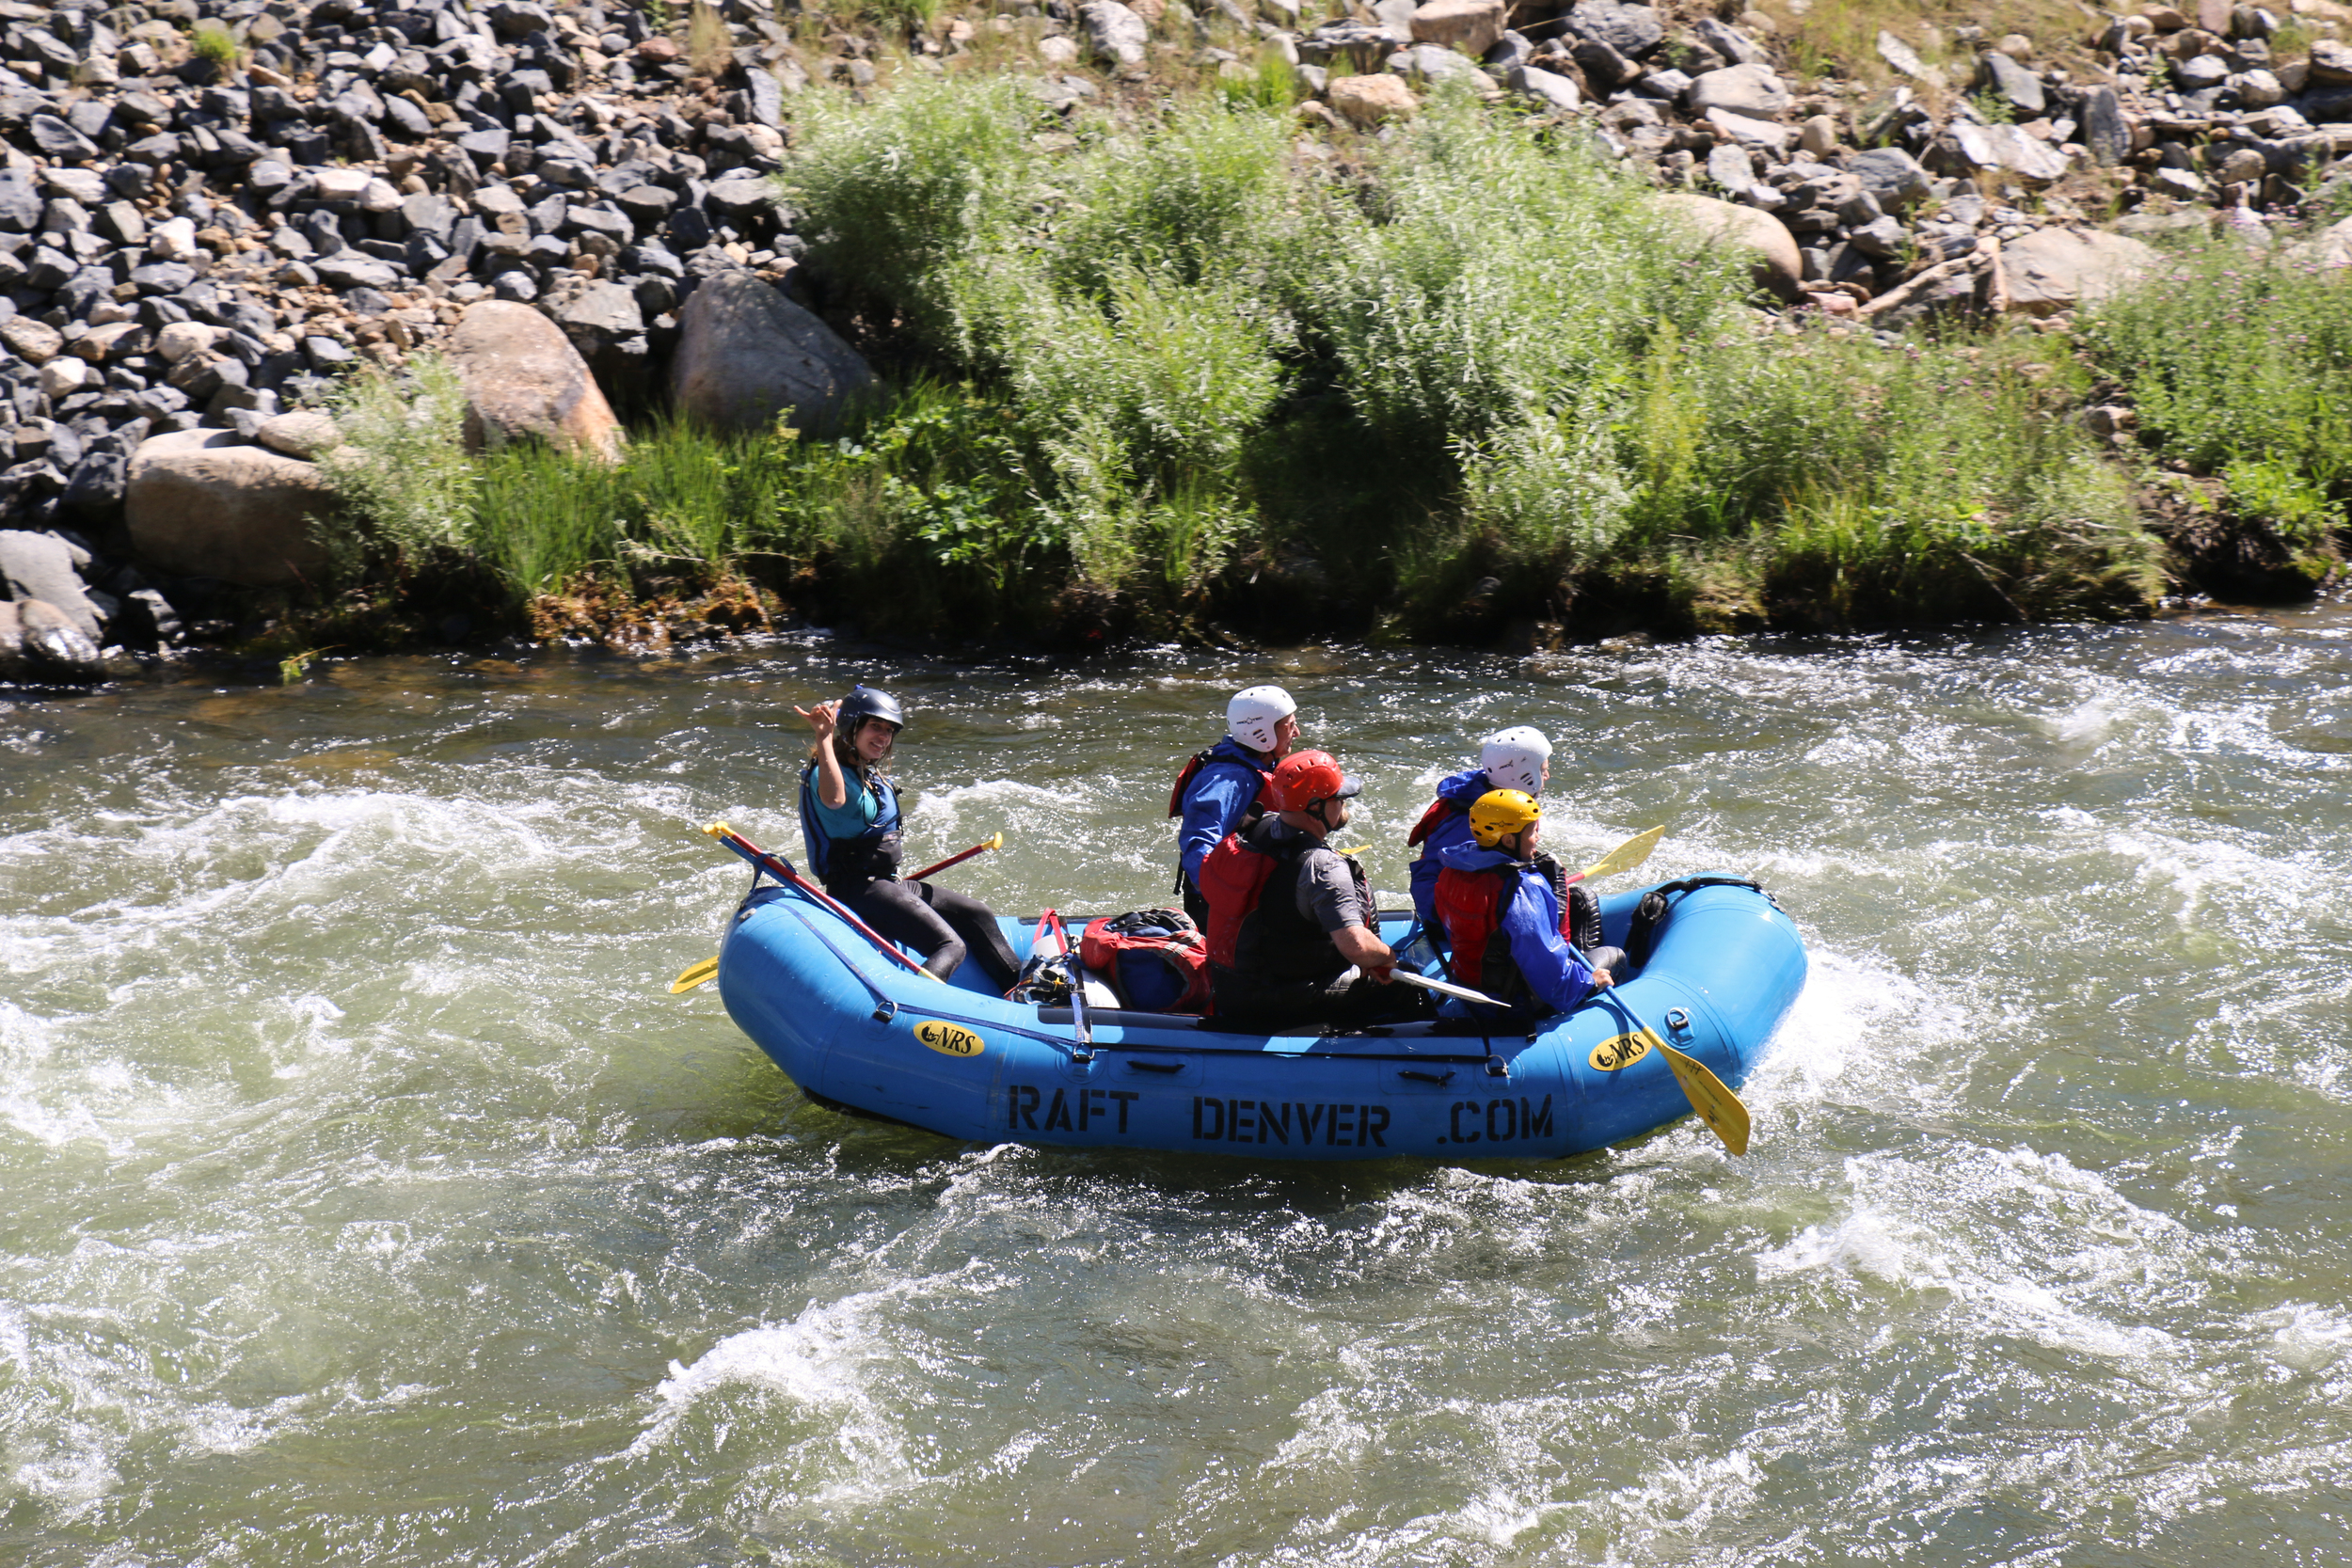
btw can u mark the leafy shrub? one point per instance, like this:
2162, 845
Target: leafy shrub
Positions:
900, 195
404, 481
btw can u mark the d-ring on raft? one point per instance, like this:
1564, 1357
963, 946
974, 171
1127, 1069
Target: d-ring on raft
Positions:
856, 1030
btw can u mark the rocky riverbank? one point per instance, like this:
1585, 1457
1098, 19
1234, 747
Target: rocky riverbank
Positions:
209, 211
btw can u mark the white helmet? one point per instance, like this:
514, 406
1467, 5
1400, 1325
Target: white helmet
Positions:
1515, 758
1251, 716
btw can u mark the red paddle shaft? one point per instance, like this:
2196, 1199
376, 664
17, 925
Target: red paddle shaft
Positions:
776, 866
979, 849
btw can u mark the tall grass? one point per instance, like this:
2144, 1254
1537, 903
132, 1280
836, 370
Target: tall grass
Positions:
2240, 365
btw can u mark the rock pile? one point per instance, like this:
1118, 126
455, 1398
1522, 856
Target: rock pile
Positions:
210, 207
1903, 203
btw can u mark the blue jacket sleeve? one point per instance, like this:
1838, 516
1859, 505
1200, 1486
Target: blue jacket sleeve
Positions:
1214, 805
1551, 966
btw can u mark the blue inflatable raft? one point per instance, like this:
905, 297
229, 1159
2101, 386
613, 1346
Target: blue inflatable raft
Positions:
858, 1032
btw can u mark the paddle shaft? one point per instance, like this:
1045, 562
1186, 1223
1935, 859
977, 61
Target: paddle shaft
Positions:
778, 867
980, 849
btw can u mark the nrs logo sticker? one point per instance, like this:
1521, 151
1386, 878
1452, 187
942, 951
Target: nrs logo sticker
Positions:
948, 1039
1621, 1051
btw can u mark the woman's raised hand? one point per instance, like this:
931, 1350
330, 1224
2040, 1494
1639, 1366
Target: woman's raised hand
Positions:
819, 718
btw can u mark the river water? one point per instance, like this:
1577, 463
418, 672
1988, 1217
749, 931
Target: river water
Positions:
370, 1200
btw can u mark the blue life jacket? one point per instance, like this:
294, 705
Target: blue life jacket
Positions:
872, 855
1444, 825
1214, 795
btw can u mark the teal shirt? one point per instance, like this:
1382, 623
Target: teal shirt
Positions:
854, 814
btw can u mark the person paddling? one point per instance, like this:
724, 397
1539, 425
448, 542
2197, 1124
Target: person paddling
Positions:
1293, 937
1221, 789
849, 821
1497, 898
1516, 758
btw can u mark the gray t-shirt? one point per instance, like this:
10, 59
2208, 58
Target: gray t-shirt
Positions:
1326, 889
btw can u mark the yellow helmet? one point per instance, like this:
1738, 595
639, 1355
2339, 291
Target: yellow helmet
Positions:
1500, 813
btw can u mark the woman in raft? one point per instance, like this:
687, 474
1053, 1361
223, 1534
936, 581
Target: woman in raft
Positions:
849, 821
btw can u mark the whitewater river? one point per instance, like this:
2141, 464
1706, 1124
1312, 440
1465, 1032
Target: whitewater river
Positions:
370, 1200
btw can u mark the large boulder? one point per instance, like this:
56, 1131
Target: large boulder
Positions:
2330, 250
1364, 102
746, 355
40, 566
1764, 238
2052, 270
200, 504
1114, 32
524, 380
1473, 26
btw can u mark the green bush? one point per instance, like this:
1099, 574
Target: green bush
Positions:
900, 197
404, 481
2231, 357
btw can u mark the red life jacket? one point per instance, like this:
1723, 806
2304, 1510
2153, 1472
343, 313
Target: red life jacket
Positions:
1232, 879
1192, 770
1438, 811
1255, 929
1471, 905
1158, 958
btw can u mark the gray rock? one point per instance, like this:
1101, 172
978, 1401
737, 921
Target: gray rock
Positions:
356, 269
305, 433
19, 202
1750, 90
742, 193
101, 479
2105, 130
1113, 32
54, 138
36, 343
1893, 175
746, 355
1632, 31
606, 309
1730, 167
2005, 79
1882, 237
40, 566
1728, 42
1763, 134
1548, 88
2052, 270
1899, 56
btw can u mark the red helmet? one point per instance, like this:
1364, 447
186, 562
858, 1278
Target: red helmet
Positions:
1305, 777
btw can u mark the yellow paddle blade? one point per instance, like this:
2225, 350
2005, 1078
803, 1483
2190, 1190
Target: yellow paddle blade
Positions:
1717, 1106
995, 841
690, 978
1625, 856
718, 830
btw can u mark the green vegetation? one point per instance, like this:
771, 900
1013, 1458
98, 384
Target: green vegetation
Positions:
2240, 367
1157, 372
211, 41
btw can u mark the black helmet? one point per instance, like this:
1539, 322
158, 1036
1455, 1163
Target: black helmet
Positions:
864, 702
